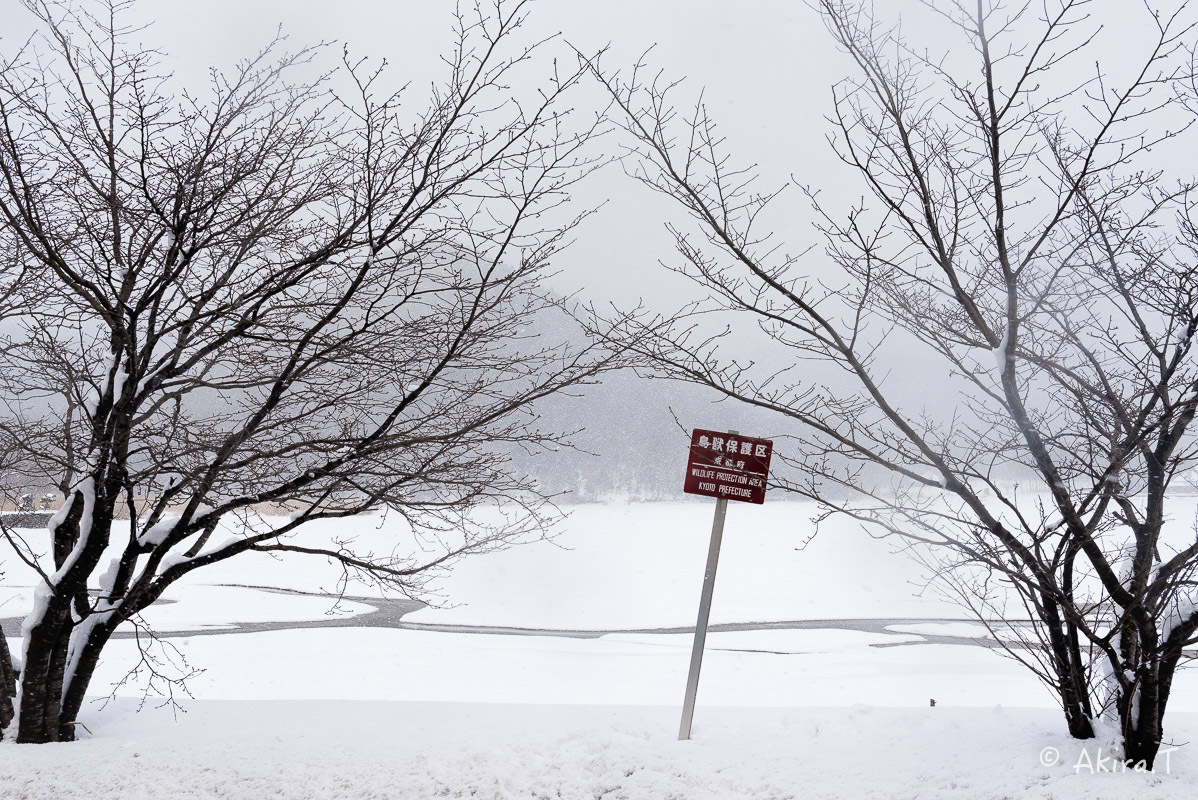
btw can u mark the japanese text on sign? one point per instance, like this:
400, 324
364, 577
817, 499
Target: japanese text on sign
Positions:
728, 466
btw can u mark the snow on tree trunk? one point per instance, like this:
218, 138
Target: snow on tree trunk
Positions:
8, 685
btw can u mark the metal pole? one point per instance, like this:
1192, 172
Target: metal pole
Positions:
713, 559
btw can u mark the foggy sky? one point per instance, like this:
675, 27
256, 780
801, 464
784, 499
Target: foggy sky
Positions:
765, 68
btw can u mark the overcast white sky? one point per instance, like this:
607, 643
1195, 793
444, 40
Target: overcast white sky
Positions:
766, 67
765, 63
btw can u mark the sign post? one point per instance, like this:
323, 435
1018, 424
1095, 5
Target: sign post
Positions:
692, 678
724, 466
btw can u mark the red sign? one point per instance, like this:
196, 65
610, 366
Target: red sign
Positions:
728, 466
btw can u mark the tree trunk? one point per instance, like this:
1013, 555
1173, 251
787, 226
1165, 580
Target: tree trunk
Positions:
1075, 696
1141, 714
1081, 726
42, 674
1071, 679
85, 666
48, 639
8, 685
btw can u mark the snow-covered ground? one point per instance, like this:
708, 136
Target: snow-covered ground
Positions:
838, 708
755, 668
320, 750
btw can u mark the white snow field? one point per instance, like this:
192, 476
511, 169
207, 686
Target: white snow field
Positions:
838, 708
320, 749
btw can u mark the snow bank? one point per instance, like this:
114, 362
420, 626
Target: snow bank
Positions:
348, 751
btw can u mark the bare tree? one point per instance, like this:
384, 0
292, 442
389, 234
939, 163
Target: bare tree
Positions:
268, 294
1014, 232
